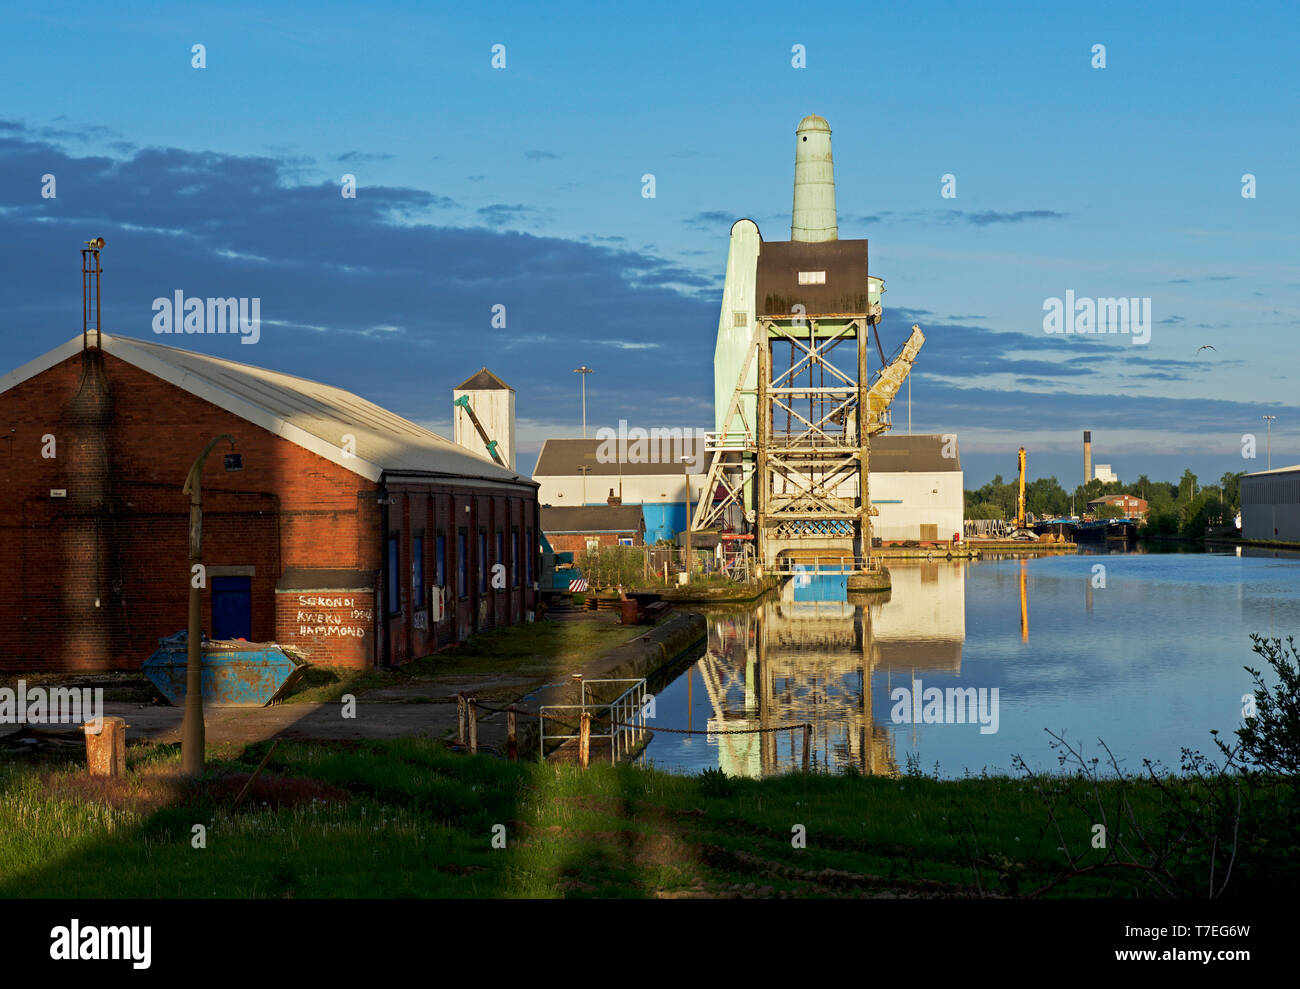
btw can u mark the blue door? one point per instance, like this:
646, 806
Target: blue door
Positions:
232, 608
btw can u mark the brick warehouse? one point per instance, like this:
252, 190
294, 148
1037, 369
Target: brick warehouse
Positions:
334, 537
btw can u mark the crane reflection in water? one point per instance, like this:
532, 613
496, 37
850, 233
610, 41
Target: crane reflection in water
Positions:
814, 654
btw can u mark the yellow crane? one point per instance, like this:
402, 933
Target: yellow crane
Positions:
1019, 531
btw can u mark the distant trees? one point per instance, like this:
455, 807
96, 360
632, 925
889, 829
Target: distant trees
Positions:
1230, 485
984, 510
1173, 509
998, 499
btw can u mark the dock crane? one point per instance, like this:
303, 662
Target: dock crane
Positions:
490, 443
1019, 531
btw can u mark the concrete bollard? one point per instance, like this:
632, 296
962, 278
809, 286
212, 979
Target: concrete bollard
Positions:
106, 746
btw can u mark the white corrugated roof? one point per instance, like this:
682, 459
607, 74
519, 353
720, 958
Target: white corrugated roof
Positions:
309, 414
1276, 470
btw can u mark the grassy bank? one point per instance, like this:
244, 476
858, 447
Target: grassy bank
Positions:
409, 818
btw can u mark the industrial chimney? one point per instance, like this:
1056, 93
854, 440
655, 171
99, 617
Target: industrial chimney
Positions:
1087, 456
813, 217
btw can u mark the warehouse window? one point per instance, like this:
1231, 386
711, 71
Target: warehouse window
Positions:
417, 572
482, 562
501, 547
514, 556
812, 278
440, 559
529, 551
462, 563
741, 319
394, 575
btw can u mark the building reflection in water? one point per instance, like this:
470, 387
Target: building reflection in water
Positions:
787, 661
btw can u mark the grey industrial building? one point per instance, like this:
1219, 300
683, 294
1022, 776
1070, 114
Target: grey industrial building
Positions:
1270, 505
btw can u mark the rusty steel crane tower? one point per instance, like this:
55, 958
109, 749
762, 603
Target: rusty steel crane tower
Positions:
795, 406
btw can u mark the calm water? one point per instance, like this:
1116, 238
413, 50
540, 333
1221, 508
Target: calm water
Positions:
1148, 663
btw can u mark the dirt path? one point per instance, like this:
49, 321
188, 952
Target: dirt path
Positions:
420, 706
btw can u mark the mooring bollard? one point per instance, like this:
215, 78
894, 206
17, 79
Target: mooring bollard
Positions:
584, 740
512, 737
807, 745
473, 726
106, 746
460, 719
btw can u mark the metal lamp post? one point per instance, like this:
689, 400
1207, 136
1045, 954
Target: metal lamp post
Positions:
584, 371
192, 732
686, 475
1269, 420
584, 469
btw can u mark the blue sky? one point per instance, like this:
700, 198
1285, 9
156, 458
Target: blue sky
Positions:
522, 186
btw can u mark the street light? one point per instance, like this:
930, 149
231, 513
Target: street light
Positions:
584, 371
686, 475
192, 733
1269, 420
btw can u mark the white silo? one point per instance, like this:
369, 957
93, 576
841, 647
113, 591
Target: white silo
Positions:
493, 403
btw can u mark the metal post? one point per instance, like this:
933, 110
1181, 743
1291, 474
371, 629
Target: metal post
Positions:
512, 737
461, 718
473, 725
864, 443
763, 430
193, 741
583, 371
807, 744
686, 476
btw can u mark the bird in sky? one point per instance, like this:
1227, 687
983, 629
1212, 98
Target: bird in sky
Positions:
1205, 346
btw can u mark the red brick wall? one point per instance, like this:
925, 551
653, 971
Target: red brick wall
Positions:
92, 580
335, 628
433, 508
569, 543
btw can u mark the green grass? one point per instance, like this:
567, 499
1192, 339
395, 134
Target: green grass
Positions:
325, 684
409, 818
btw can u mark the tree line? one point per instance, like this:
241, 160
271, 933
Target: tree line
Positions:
1184, 508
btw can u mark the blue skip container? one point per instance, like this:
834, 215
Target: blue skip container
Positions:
235, 673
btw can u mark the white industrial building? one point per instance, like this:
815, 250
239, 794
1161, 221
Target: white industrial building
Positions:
493, 402
917, 491
915, 488
577, 472
637, 470
1270, 505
